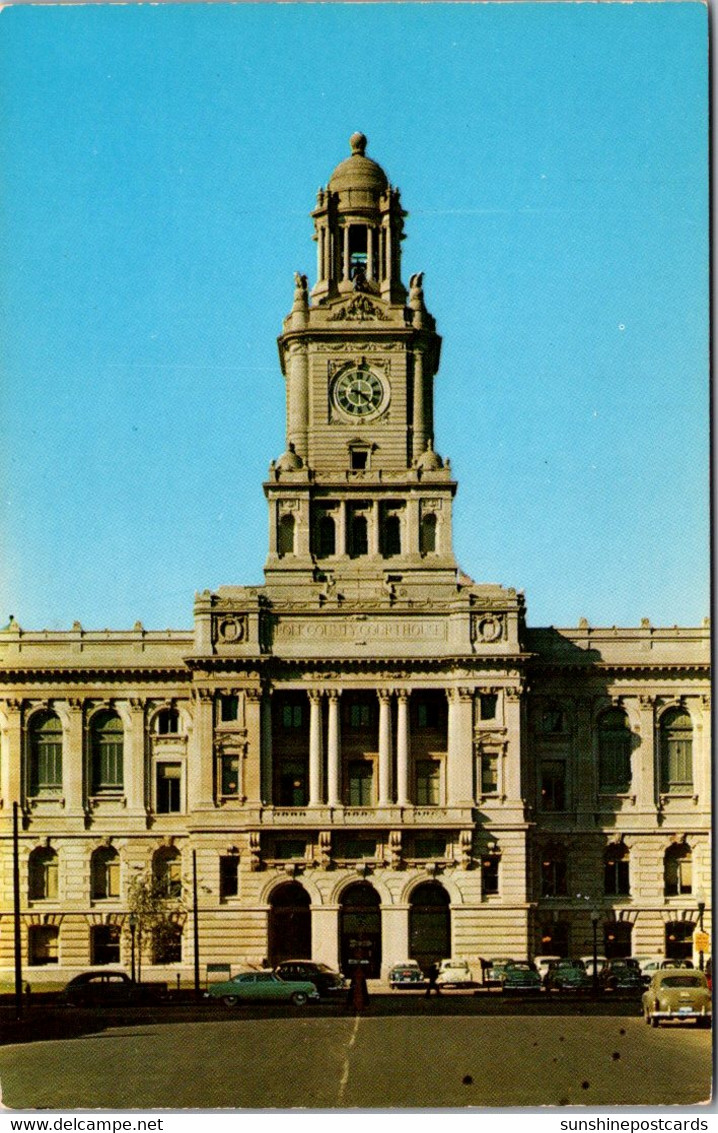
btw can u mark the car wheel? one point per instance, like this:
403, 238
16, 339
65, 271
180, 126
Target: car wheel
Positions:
299, 998
229, 1000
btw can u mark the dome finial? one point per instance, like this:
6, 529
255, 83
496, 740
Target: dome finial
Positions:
358, 143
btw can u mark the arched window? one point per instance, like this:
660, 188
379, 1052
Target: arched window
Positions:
105, 873
616, 879
42, 876
427, 534
677, 871
106, 742
358, 536
391, 536
326, 537
554, 875
167, 871
167, 722
676, 752
45, 755
285, 540
614, 751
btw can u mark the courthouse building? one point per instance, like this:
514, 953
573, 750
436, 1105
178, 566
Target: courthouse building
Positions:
369, 754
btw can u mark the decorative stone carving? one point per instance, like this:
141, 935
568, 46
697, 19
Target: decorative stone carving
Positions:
358, 309
487, 627
231, 629
466, 848
325, 848
255, 851
394, 849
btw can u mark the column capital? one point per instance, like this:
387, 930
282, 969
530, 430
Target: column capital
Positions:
137, 703
333, 694
204, 695
384, 694
75, 703
647, 703
514, 692
253, 695
13, 704
315, 695
402, 694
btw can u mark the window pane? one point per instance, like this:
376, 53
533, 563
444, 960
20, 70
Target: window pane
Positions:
229, 875
489, 773
427, 782
361, 779
229, 769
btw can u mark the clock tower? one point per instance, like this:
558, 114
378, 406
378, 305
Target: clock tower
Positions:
360, 501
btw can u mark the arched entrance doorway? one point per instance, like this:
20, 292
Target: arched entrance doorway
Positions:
429, 924
290, 924
360, 929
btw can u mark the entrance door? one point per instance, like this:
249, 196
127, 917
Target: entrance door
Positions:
429, 924
360, 929
290, 924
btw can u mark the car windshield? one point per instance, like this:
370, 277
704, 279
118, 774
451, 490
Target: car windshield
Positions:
681, 981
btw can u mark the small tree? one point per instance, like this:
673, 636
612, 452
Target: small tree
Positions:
155, 916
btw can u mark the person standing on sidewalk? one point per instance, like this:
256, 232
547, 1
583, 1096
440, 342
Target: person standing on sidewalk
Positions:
432, 975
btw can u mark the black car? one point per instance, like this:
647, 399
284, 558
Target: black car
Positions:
621, 975
108, 989
325, 980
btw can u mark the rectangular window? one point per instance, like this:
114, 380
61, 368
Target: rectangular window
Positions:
553, 784
355, 849
361, 782
293, 782
489, 772
614, 768
169, 788
359, 459
679, 765
48, 768
290, 849
428, 776
487, 705
109, 777
228, 876
429, 846
360, 715
229, 708
229, 775
553, 878
490, 875
105, 944
291, 715
43, 944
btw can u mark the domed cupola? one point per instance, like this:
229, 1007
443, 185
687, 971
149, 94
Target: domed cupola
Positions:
359, 226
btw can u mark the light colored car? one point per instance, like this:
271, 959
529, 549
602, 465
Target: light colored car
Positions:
494, 973
677, 993
263, 987
455, 973
648, 965
587, 961
406, 974
543, 963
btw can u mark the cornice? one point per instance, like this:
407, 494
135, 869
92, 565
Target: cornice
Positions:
84, 674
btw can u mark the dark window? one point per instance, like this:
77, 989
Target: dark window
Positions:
45, 742
167, 869
358, 536
167, 722
293, 782
489, 762
490, 875
427, 534
617, 940
285, 541
167, 943
487, 705
553, 784
228, 775
42, 944
169, 783
428, 779
291, 715
290, 849
552, 719
105, 873
679, 940
553, 874
429, 846
354, 849
104, 944
677, 871
326, 537
43, 875
616, 872
106, 744
555, 938
614, 751
359, 458
228, 876
357, 250
361, 714
391, 536
676, 752
361, 782
429, 711
228, 708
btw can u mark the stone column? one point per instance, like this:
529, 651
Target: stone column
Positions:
315, 748
266, 749
325, 934
202, 757
345, 268
11, 762
514, 732
373, 533
384, 747
298, 398
644, 760
402, 748
73, 760
460, 755
251, 772
340, 533
370, 253
394, 936
419, 423
138, 791
334, 758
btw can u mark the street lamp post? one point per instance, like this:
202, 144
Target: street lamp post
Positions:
133, 927
594, 926
701, 911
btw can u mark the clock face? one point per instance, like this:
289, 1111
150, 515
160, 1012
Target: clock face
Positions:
359, 392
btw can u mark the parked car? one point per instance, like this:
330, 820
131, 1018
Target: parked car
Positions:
677, 993
621, 975
455, 973
647, 965
587, 962
324, 978
677, 964
567, 975
264, 986
405, 975
521, 976
494, 972
543, 963
108, 988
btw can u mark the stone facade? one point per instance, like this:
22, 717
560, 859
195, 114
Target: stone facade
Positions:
370, 754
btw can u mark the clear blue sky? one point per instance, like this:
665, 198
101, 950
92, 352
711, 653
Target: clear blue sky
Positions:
157, 168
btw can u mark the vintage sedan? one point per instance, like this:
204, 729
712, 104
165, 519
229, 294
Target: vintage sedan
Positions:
109, 988
494, 971
521, 977
324, 978
567, 975
678, 994
621, 975
262, 987
406, 976
455, 973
